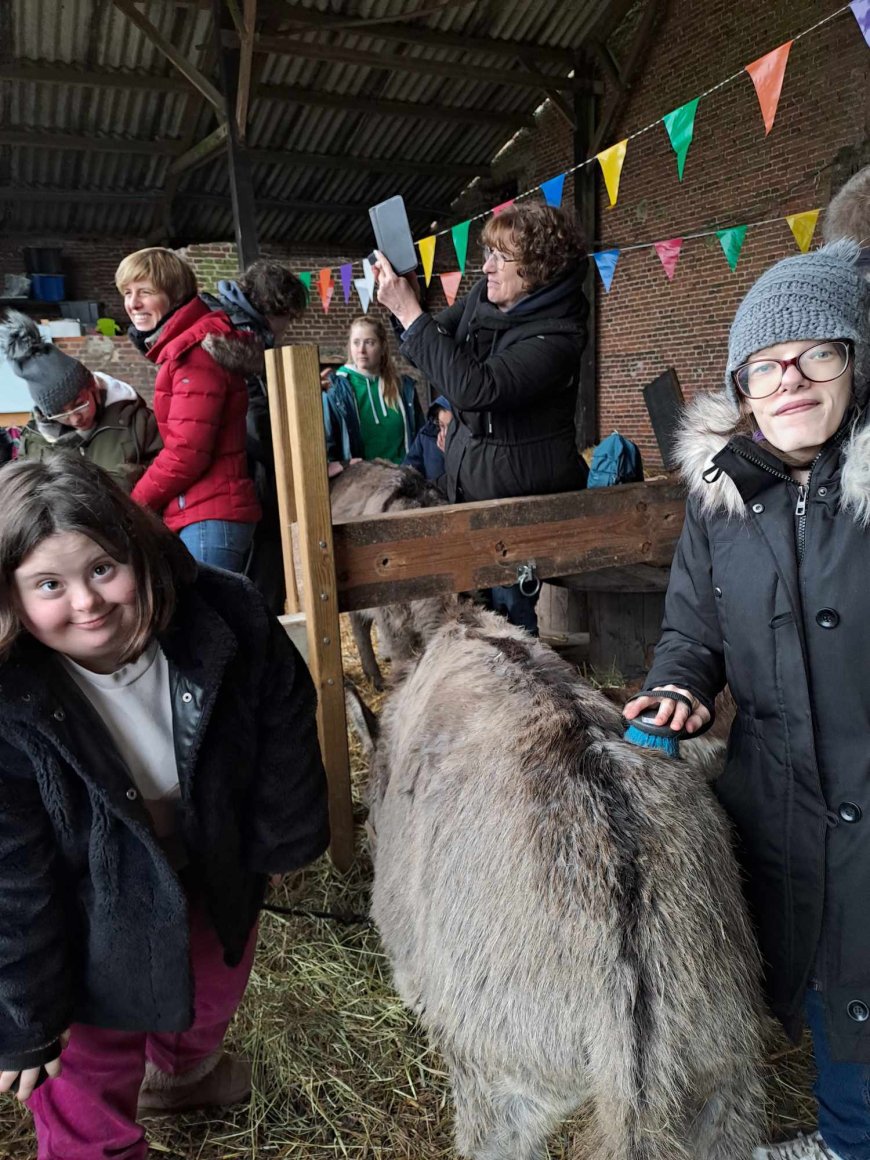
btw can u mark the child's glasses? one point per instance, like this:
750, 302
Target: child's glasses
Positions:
63, 416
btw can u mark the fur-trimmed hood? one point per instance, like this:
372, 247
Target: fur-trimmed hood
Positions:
241, 352
709, 423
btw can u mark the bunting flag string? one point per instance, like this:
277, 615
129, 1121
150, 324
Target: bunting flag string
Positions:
767, 73
450, 283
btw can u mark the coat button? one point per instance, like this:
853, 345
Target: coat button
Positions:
717, 592
25, 697
59, 715
849, 812
187, 698
823, 491
858, 1011
827, 618
131, 794
758, 508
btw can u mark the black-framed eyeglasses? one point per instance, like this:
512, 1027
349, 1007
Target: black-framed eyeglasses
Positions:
498, 258
820, 364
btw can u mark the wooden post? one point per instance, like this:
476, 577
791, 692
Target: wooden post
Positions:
299, 383
283, 473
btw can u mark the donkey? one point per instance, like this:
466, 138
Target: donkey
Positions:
561, 909
373, 487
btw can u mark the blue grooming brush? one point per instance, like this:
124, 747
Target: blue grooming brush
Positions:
644, 732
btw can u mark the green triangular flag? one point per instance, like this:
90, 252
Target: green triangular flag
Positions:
305, 279
460, 242
680, 125
731, 242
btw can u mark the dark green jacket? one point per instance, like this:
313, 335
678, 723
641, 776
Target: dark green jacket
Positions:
123, 441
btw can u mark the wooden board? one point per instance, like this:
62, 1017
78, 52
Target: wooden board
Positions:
298, 376
407, 555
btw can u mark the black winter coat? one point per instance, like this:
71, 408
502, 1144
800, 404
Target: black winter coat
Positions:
93, 920
512, 379
775, 602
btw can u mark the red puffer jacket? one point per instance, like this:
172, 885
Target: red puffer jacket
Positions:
200, 406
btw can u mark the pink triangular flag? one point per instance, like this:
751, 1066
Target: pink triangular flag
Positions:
767, 75
326, 298
450, 282
669, 253
496, 209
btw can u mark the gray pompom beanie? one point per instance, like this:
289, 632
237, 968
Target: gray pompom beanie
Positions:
818, 295
54, 378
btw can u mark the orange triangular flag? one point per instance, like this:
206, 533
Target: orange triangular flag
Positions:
767, 75
611, 161
803, 226
326, 285
427, 253
450, 282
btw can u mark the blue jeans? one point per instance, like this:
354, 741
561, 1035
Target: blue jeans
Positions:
843, 1092
222, 543
514, 606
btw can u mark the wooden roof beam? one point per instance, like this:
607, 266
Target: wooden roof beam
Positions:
311, 18
246, 58
189, 71
288, 46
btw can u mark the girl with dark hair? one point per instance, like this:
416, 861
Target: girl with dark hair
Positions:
159, 759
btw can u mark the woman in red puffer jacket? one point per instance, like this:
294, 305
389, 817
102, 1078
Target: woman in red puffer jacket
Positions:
199, 482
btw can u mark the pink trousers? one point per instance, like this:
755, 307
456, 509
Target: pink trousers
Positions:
89, 1111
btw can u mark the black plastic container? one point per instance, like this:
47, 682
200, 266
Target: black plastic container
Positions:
43, 259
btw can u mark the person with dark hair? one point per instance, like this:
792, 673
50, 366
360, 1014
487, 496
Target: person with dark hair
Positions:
77, 410
199, 481
768, 592
261, 303
508, 358
159, 760
426, 453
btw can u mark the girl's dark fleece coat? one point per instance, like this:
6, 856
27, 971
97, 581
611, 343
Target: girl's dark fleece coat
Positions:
94, 919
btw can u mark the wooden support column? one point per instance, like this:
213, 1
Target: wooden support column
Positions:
238, 162
297, 392
283, 473
585, 208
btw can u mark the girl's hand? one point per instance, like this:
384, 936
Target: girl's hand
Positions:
395, 292
27, 1079
673, 712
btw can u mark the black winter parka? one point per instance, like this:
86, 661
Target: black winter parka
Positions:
768, 592
511, 377
93, 920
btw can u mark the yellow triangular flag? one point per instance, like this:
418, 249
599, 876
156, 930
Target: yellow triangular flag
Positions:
427, 253
803, 226
611, 161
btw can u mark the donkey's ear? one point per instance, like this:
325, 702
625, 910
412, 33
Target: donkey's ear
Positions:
360, 718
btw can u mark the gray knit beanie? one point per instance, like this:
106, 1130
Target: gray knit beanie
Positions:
54, 378
818, 295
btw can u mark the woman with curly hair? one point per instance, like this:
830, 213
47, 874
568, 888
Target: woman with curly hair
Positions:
508, 358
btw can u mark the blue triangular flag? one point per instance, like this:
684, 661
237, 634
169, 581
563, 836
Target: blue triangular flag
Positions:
552, 189
606, 262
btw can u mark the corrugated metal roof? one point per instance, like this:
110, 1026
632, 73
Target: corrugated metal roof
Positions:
69, 137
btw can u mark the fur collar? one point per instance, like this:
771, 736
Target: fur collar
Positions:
708, 424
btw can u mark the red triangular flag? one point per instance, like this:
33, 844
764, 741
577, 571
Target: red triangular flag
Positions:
767, 75
496, 209
450, 282
669, 253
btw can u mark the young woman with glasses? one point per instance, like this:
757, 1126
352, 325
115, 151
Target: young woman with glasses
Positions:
508, 358
768, 592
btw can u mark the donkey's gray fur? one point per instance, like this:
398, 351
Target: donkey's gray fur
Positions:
561, 909
373, 487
